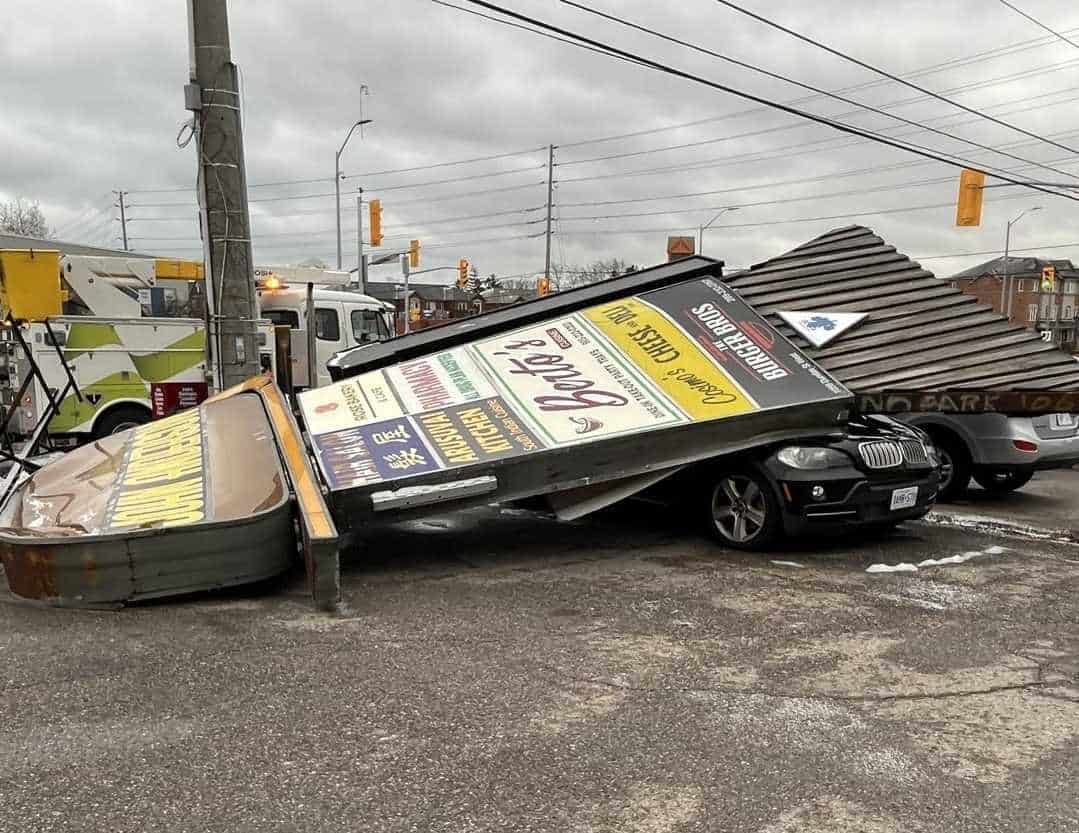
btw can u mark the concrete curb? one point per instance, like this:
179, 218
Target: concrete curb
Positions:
984, 523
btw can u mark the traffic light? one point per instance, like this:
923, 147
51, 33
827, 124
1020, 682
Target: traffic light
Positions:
375, 207
1049, 278
969, 205
543, 286
413, 253
462, 274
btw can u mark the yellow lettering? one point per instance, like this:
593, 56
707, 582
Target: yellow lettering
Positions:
168, 504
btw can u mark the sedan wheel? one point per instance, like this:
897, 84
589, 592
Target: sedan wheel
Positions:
743, 513
947, 470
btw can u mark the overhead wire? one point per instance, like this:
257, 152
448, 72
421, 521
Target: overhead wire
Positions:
882, 72
658, 66
788, 127
795, 220
977, 57
1037, 22
794, 82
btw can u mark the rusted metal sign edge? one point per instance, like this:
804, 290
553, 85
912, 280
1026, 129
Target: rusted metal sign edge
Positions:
319, 532
117, 567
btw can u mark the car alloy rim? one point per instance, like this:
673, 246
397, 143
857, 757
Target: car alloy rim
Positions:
738, 508
123, 426
947, 468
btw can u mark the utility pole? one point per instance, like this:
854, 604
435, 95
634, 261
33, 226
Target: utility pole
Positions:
361, 261
123, 217
1006, 295
550, 203
337, 180
213, 96
708, 225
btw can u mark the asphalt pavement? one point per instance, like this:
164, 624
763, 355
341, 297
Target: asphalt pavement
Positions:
1048, 503
499, 671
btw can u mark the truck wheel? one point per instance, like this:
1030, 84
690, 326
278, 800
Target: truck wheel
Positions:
120, 419
954, 466
998, 482
742, 510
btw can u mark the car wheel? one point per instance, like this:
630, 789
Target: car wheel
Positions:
954, 467
1001, 482
120, 419
743, 512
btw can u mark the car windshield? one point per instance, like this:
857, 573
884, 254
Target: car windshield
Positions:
368, 325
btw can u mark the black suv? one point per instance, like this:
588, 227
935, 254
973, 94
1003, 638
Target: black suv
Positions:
874, 474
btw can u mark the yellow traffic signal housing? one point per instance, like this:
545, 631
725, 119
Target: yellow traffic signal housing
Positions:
1049, 278
375, 210
969, 207
413, 253
462, 274
543, 286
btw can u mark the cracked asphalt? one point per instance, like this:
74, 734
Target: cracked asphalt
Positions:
496, 670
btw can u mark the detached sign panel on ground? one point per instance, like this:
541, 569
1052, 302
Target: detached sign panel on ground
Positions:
190, 502
685, 354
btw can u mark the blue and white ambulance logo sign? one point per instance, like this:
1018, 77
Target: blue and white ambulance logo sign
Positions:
819, 328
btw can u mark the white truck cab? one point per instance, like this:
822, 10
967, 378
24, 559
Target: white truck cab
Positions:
343, 319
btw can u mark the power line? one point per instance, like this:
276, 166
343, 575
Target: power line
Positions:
788, 80
316, 180
514, 25
792, 220
977, 57
372, 190
800, 149
630, 57
996, 251
1037, 22
902, 102
383, 189
332, 232
799, 181
806, 39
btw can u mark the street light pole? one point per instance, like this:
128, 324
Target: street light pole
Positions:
337, 181
701, 229
1005, 279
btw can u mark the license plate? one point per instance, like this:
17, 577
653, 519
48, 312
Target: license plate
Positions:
1063, 420
904, 498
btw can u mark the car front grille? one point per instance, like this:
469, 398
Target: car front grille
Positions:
914, 453
882, 454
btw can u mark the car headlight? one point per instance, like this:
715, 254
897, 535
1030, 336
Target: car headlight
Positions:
933, 455
812, 458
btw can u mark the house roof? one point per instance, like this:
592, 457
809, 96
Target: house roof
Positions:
509, 296
920, 334
1018, 266
387, 291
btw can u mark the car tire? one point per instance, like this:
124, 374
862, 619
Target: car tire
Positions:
955, 466
120, 419
742, 510
998, 482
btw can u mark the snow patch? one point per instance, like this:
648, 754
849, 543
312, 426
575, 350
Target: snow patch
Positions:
788, 564
903, 567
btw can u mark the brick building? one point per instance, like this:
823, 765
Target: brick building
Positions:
1026, 302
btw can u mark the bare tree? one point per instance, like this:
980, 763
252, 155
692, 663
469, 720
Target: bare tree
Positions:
599, 270
18, 216
313, 263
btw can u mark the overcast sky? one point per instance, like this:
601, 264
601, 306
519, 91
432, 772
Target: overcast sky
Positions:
93, 101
